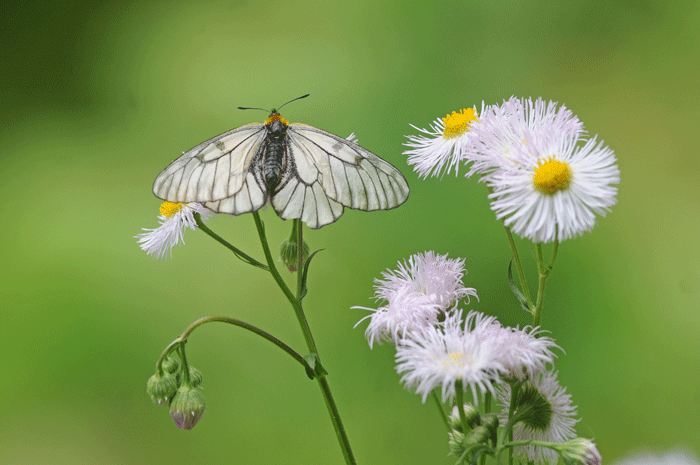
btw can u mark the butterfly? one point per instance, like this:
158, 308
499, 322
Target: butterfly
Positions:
304, 172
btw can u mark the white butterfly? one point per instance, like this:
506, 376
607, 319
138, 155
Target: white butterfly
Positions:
303, 171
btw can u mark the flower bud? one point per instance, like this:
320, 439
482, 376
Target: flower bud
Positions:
471, 414
289, 253
580, 451
187, 407
162, 388
170, 365
195, 377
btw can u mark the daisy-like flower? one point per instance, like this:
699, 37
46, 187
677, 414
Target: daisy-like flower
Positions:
559, 428
174, 218
405, 311
439, 356
503, 128
443, 145
429, 274
526, 353
545, 185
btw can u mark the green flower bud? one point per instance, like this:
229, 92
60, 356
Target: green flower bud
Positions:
470, 412
170, 365
162, 388
580, 451
187, 407
195, 377
289, 253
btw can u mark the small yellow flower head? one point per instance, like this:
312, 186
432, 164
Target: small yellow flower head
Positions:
457, 124
552, 176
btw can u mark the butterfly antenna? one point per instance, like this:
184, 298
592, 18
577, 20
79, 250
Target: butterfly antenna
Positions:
298, 98
251, 108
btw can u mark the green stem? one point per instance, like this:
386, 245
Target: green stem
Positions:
311, 345
236, 251
441, 410
460, 406
544, 272
300, 250
519, 267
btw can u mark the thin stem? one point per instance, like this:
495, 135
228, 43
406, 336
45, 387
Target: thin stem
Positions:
460, 406
180, 341
544, 272
300, 259
311, 345
519, 267
298, 310
236, 251
441, 410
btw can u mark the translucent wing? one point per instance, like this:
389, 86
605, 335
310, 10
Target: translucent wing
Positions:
218, 173
331, 170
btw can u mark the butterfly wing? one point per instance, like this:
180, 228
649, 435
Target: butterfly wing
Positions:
329, 172
219, 173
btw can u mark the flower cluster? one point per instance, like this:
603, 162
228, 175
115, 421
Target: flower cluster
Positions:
442, 348
547, 179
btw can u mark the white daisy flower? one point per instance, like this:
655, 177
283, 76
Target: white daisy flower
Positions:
174, 218
438, 356
503, 128
448, 141
546, 186
675, 457
405, 311
428, 274
526, 353
561, 425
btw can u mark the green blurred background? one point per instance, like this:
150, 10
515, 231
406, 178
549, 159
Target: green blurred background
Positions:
98, 98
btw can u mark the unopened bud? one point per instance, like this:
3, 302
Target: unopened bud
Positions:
580, 451
187, 407
289, 253
162, 388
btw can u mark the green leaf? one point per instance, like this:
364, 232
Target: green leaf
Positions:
514, 288
305, 274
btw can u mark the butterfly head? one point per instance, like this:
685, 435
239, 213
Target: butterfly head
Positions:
275, 116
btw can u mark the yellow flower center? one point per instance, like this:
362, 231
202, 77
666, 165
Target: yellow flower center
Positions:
457, 360
457, 124
168, 209
276, 117
552, 176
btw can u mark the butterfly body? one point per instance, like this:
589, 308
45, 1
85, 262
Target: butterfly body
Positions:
304, 172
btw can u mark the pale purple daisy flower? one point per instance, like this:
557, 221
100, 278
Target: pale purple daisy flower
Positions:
526, 353
561, 425
174, 218
405, 311
446, 145
429, 274
439, 356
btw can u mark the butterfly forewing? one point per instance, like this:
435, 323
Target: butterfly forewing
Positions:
348, 173
213, 170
